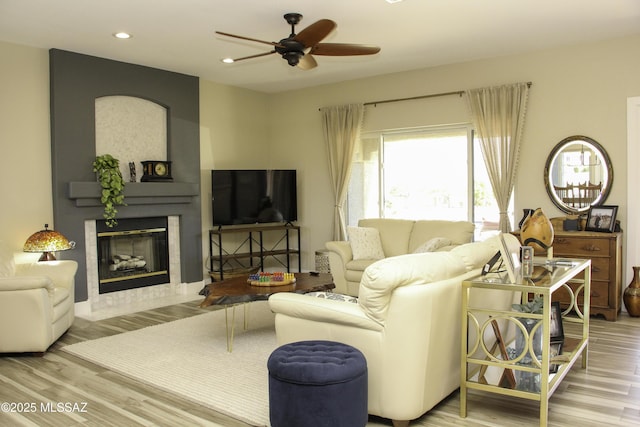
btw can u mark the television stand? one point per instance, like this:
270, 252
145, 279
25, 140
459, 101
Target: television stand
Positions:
251, 251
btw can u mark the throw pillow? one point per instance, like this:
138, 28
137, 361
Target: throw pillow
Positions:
7, 263
433, 245
365, 243
332, 296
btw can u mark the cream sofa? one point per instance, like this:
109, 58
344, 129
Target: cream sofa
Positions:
36, 303
397, 237
406, 322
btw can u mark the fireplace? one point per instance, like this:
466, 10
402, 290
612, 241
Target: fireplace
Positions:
134, 254
138, 239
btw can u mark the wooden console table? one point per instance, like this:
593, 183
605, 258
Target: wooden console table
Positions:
605, 252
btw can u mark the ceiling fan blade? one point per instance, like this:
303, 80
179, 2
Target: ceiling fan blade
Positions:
249, 38
314, 33
254, 56
343, 49
307, 62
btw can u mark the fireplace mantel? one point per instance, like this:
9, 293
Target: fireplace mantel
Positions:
135, 193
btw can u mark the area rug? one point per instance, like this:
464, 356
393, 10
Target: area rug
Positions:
189, 358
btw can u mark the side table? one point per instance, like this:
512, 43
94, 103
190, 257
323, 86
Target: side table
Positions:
477, 356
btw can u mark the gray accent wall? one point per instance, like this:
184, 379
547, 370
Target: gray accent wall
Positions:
76, 81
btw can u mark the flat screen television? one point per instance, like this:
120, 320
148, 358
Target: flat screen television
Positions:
254, 196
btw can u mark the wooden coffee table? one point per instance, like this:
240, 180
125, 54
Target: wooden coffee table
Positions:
237, 290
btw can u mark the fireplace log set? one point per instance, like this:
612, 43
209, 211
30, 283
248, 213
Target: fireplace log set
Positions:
127, 262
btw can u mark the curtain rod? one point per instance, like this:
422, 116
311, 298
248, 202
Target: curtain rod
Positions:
386, 101
435, 95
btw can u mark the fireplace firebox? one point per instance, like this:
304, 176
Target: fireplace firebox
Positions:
133, 254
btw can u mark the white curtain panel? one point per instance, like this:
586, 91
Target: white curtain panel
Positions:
341, 125
498, 116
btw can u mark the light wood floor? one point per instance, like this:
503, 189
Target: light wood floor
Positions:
606, 394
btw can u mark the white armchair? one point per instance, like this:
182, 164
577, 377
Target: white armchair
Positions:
36, 303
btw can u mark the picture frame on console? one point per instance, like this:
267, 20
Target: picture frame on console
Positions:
511, 260
555, 350
602, 218
556, 334
556, 331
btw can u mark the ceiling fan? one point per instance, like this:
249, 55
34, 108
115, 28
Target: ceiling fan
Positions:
297, 49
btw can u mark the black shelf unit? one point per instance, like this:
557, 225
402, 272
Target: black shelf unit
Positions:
256, 249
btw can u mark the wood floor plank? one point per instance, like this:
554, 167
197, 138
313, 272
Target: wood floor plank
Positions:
607, 393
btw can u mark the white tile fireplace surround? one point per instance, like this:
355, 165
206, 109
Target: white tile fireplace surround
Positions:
100, 306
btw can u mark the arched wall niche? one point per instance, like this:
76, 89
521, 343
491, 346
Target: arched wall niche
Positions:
132, 130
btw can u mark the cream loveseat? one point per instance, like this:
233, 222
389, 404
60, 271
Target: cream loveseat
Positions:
36, 303
349, 259
406, 322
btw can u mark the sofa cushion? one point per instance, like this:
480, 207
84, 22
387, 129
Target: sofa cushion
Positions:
475, 255
359, 265
382, 277
394, 234
459, 232
353, 276
61, 301
433, 245
7, 262
332, 296
365, 243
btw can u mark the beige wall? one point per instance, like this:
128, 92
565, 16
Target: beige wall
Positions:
25, 163
576, 90
234, 134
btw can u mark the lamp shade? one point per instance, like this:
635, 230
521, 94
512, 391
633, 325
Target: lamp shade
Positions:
47, 241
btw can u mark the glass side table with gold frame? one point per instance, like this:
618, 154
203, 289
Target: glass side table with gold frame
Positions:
498, 351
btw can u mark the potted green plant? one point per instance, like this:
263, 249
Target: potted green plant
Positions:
528, 381
112, 186
533, 306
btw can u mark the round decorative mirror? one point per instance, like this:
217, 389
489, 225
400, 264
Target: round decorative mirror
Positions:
578, 174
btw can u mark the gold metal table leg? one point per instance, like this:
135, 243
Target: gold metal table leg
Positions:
246, 316
230, 329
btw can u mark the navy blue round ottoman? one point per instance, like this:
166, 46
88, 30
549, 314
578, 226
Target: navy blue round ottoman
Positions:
317, 383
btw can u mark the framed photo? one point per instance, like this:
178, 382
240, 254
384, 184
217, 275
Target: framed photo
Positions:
555, 350
511, 258
556, 331
602, 218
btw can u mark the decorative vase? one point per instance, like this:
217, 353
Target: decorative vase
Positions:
537, 231
528, 381
525, 215
632, 294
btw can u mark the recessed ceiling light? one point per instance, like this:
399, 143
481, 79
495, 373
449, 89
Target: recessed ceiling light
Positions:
122, 35
393, 1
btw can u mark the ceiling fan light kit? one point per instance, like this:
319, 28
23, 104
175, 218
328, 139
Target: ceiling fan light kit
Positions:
298, 49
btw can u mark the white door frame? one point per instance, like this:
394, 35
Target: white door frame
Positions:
633, 181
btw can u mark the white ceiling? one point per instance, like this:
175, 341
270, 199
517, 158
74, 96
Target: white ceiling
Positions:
178, 35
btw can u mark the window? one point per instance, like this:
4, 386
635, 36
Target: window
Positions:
425, 173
